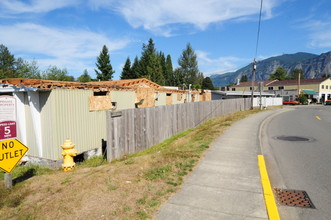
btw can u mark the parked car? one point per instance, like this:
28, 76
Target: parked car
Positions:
328, 102
291, 103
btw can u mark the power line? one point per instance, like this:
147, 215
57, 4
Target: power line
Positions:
254, 63
258, 30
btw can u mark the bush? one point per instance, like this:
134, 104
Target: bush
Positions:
303, 99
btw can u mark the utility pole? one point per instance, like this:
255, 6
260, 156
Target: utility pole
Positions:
261, 88
253, 81
299, 86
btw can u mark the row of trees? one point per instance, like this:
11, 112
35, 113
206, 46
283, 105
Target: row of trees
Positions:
157, 67
152, 64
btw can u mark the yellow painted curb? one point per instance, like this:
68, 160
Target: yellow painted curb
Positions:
267, 191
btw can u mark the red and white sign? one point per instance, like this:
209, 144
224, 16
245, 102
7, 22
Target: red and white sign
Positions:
8, 129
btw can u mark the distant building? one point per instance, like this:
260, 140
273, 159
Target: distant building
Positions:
318, 89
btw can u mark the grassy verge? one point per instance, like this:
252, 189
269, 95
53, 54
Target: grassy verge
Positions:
133, 187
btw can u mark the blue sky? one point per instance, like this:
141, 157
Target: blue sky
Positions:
71, 33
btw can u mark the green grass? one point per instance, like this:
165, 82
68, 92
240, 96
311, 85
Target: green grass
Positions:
112, 187
158, 172
66, 180
27, 171
93, 162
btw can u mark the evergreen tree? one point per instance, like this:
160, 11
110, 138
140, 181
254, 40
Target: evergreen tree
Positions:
150, 63
280, 74
295, 74
85, 77
169, 72
179, 78
105, 70
207, 84
127, 72
146, 55
189, 66
244, 78
154, 69
7, 63
135, 69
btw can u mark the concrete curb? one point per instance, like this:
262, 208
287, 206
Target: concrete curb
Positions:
269, 198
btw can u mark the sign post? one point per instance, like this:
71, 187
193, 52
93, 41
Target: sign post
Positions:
11, 150
8, 180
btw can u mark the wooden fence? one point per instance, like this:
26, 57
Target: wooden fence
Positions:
133, 130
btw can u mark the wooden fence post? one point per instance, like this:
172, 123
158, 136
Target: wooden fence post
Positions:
8, 180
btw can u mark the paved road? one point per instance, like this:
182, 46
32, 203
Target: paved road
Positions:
301, 165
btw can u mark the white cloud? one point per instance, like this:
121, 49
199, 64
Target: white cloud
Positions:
219, 65
159, 15
320, 35
71, 48
34, 6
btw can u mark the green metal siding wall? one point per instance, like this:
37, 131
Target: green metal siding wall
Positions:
65, 114
124, 99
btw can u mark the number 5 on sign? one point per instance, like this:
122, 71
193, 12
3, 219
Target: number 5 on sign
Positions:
7, 130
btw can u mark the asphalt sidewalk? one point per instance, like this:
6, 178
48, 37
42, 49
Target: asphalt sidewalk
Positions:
226, 183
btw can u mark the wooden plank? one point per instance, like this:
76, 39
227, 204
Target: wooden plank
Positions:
144, 128
115, 143
109, 136
131, 129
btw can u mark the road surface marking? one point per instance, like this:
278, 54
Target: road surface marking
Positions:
269, 197
318, 118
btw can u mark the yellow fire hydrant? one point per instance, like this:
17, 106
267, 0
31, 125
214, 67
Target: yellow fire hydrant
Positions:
68, 155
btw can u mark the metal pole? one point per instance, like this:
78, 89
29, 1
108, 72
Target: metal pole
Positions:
8, 180
253, 81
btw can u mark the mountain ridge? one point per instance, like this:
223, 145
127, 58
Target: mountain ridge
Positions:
313, 66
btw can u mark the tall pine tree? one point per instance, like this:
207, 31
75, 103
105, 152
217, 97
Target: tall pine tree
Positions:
169, 72
135, 69
189, 66
126, 72
105, 70
150, 63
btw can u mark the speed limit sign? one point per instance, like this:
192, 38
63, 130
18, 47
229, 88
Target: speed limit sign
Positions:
7, 117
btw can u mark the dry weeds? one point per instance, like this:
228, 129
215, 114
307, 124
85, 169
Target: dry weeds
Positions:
132, 188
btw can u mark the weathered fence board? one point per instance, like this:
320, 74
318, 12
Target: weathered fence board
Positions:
138, 129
